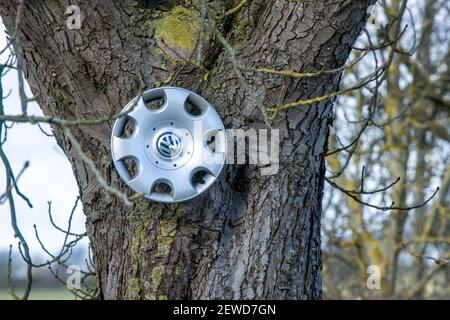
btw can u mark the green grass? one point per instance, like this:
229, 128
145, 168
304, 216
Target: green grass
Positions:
41, 294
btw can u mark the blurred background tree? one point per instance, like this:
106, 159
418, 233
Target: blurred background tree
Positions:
395, 133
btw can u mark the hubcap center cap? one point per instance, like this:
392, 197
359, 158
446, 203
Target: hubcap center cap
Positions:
169, 145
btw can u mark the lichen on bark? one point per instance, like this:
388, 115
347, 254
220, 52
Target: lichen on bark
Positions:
139, 241
179, 30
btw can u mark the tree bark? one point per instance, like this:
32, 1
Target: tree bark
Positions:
249, 236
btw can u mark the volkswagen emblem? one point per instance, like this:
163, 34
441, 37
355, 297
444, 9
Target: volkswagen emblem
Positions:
169, 145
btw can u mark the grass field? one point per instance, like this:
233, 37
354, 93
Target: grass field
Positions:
42, 294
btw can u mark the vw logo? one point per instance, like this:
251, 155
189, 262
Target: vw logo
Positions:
169, 145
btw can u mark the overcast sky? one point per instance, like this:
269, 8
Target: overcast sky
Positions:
49, 177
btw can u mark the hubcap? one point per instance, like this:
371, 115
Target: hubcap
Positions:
169, 145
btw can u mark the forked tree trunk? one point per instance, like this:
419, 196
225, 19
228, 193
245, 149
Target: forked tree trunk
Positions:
249, 236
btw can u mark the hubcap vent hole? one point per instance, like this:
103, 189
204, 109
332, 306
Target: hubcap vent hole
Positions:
155, 103
162, 187
192, 108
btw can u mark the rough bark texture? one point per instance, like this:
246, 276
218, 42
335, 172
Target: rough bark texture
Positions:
249, 236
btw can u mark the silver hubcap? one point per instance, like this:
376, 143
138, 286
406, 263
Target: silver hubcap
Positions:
169, 145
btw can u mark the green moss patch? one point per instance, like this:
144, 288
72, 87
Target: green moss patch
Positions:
179, 29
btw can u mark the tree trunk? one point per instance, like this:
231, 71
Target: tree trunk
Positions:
249, 236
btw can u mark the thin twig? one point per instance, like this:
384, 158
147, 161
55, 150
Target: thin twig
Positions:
93, 168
